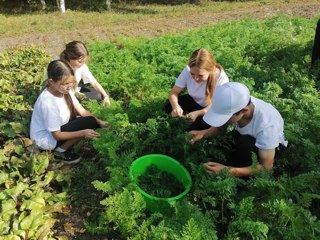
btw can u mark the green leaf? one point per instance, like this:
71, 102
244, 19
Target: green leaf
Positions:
8, 208
25, 224
3, 177
19, 149
11, 237
17, 127
9, 132
17, 190
37, 221
34, 203
4, 227
48, 177
42, 232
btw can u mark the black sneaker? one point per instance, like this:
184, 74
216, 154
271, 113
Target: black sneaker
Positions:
68, 157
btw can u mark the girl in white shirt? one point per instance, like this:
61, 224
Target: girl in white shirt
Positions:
76, 54
58, 120
200, 78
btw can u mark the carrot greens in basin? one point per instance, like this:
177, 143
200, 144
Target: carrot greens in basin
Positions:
159, 183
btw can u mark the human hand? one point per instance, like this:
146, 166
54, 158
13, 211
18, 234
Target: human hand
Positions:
106, 101
80, 96
193, 115
213, 167
196, 136
90, 133
101, 123
177, 112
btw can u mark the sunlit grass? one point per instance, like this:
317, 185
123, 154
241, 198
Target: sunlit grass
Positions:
41, 22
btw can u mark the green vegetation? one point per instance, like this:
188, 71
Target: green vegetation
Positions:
159, 183
272, 57
122, 13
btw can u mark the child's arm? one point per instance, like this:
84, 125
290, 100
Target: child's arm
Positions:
105, 97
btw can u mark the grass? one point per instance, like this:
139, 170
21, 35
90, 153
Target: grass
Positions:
48, 22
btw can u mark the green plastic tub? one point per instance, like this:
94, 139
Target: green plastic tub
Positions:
166, 164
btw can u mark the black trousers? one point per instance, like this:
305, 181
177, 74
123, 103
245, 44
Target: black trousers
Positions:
77, 124
316, 45
90, 93
243, 146
189, 105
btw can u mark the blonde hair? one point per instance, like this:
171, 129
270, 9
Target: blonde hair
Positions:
203, 59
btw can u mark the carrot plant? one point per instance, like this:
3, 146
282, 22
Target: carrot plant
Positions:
272, 58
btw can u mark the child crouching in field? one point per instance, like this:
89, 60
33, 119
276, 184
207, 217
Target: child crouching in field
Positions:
258, 128
77, 54
58, 119
200, 78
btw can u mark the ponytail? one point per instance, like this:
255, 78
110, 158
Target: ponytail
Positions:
56, 70
64, 56
73, 112
211, 83
74, 50
210, 87
203, 59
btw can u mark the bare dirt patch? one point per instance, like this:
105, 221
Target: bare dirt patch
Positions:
157, 26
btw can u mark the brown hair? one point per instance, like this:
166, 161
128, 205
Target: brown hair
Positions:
57, 70
203, 59
74, 50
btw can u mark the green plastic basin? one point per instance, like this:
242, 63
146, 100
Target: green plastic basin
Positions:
166, 164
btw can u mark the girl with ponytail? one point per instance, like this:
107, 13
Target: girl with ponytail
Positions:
76, 54
58, 120
200, 78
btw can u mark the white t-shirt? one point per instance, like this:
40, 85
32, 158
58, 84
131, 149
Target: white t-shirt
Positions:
266, 126
198, 90
84, 73
49, 114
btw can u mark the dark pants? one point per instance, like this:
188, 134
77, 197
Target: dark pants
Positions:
243, 146
80, 123
189, 105
316, 45
91, 93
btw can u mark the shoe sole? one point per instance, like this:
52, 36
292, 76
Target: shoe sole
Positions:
69, 162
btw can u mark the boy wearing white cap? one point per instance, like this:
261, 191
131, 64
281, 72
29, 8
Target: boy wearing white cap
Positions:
258, 128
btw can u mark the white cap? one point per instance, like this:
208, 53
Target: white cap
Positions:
228, 99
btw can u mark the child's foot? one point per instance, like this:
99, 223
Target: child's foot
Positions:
68, 157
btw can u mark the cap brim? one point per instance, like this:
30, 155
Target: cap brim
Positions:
216, 120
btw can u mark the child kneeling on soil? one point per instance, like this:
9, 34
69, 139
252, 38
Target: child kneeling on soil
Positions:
200, 77
258, 128
77, 54
58, 120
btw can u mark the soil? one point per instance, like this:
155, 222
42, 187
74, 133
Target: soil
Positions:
157, 26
